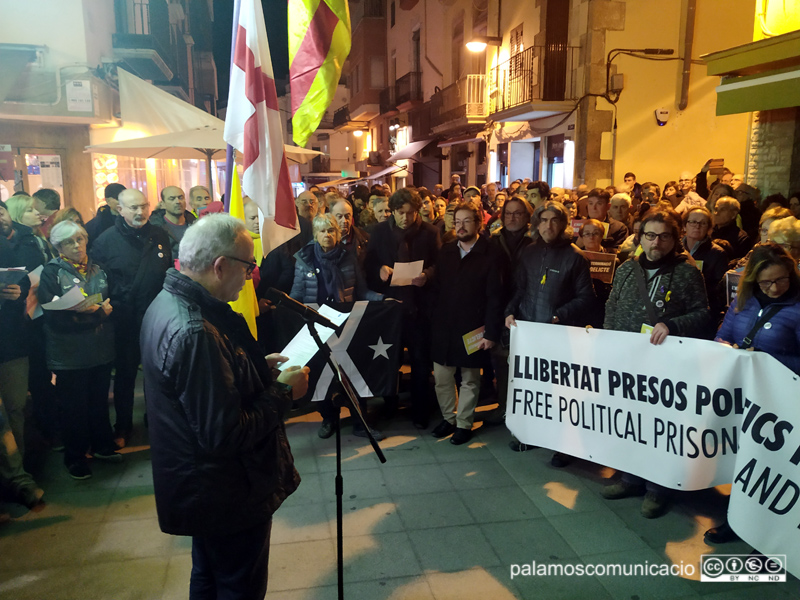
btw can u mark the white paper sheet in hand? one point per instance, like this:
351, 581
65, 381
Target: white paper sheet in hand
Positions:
35, 275
403, 273
302, 348
69, 300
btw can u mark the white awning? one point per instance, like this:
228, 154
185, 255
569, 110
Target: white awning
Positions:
409, 151
387, 171
461, 140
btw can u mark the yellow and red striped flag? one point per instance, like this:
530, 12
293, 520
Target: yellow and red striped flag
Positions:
319, 42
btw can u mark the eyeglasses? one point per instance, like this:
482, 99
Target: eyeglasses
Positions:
698, 223
516, 213
591, 234
766, 284
650, 236
250, 265
459, 222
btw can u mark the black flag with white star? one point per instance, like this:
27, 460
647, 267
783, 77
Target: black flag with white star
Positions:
367, 347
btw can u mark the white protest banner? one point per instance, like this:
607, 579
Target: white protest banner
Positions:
668, 413
764, 508
688, 414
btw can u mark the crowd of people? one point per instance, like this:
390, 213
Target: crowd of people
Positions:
490, 256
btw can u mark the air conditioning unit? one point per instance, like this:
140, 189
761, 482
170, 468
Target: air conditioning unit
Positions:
375, 159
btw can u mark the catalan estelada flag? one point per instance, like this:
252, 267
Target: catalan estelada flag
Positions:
319, 42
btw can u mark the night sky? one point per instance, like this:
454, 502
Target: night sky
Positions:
276, 20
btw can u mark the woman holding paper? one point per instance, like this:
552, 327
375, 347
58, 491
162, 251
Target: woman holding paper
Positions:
80, 349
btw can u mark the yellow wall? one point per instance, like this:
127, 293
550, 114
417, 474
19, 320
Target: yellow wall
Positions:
775, 17
695, 134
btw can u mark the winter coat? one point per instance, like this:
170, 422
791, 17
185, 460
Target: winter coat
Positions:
104, 219
26, 248
277, 268
715, 265
221, 458
467, 295
124, 252
781, 340
75, 340
677, 291
158, 218
305, 287
552, 280
358, 242
735, 237
387, 245
13, 330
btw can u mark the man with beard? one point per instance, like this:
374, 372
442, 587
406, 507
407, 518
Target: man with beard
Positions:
468, 299
404, 237
173, 218
552, 283
661, 294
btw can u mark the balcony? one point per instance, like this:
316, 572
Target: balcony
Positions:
343, 122
419, 119
409, 91
460, 104
535, 83
388, 102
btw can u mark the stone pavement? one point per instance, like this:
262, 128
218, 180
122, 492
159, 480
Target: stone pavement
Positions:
437, 521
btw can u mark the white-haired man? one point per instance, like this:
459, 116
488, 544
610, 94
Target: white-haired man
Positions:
221, 460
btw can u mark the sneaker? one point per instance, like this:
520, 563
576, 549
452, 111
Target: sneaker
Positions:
518, 446
461, 436
653, 505
621, 489
560, 460
108, 455
325, 430
362, 433
79, 470
443, 429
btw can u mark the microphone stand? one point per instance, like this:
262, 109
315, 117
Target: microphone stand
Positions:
346, 396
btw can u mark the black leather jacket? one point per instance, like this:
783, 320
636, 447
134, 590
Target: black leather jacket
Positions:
221, 459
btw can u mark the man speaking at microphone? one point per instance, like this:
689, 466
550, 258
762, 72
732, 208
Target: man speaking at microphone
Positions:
221, 460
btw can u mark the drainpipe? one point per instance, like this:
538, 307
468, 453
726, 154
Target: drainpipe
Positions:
428, 60
688, 42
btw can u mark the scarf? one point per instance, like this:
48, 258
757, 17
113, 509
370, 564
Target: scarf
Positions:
82, 268
330, 282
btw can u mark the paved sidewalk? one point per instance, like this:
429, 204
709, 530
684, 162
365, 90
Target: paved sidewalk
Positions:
437, 521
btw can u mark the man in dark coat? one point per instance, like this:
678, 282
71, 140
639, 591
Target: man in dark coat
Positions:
106, 215
135, 255
221, 459
467, 321
404, 237
354, 239
552, 283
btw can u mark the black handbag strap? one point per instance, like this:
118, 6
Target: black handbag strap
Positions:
648, 304
764, 316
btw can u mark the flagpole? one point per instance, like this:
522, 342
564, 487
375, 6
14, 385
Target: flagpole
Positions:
230, 153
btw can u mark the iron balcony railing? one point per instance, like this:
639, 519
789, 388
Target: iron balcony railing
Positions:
538, 73
341, 116
387, 99
466, 98
409, 87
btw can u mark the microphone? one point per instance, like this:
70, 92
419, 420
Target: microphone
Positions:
279, 298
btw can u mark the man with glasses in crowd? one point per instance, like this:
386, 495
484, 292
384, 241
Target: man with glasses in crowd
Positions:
658, 293
307, 205
135, 255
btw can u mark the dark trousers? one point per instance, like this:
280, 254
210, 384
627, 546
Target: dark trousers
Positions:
417, 338
126, 368
231, 567
44, 402
84, 395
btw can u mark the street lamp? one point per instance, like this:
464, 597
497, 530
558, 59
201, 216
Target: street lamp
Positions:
479, 42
